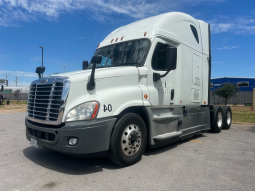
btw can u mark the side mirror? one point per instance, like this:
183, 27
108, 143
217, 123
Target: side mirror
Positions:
40, 70
171, 58
85, 65
170, 62
96, 59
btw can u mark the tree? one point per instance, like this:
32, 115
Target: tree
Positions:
16, 93
227, 91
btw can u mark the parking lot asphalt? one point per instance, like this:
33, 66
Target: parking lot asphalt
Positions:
224, 161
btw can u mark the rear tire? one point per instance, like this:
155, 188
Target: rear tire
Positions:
227, 117
128, 140
217, 120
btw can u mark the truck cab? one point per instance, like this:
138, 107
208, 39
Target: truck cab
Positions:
147, 84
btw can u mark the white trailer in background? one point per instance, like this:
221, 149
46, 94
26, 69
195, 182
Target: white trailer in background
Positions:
147, 85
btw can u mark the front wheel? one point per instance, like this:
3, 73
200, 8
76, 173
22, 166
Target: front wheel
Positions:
128, 140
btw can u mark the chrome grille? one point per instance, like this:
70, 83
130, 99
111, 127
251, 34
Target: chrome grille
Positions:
44, 101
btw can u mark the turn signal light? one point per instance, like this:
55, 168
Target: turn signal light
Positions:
95, 111
145, 96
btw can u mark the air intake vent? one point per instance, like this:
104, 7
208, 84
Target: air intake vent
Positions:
44, 101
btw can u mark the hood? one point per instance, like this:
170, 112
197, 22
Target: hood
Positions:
112, 86
100, 73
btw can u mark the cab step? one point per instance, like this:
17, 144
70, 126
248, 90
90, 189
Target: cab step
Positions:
167, 136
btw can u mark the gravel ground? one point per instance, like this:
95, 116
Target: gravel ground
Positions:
224, 161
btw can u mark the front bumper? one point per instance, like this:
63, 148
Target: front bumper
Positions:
93, 136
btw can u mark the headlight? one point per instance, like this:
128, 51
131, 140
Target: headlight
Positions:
82, 112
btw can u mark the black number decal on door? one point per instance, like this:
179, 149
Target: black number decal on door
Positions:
105, 108
109, 108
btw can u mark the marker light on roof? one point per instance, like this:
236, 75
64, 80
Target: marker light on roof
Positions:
145, 33
122, 37
98, 45
112, 40
116, 39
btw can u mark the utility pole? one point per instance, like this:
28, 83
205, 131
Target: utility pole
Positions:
16, 81
6, 81
42, 56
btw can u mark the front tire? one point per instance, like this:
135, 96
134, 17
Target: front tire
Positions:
128, 140
217, 120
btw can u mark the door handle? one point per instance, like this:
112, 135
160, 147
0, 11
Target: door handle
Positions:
172, 94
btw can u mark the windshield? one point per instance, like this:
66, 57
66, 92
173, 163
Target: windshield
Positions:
130, 53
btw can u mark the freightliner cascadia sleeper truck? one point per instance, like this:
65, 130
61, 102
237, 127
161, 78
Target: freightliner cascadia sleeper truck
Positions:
147, 85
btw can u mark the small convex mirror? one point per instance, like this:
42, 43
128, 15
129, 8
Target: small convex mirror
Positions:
171, 58
40, 70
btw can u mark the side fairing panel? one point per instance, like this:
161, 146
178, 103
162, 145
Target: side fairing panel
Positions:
204, 36
205, 79
196, 93
197, 70
204, 27
191, 85
197, 119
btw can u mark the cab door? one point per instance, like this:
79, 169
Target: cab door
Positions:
161, 91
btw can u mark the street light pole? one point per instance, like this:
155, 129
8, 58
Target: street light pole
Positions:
42, 56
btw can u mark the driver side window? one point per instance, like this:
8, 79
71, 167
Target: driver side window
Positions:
159, 57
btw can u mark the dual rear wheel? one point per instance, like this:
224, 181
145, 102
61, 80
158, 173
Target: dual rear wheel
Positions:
221, 119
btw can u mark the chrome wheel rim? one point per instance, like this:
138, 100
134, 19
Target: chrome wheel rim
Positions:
219, 119
228, 118
131, 140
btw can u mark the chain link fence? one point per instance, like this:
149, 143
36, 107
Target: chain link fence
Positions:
13, 96
242, 98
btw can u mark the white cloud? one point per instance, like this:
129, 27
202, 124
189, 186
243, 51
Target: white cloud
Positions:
217, 62
234, 25
23, 10
221, 27
18, 73
13, 11
227, 47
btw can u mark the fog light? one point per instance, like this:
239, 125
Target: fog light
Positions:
73, 141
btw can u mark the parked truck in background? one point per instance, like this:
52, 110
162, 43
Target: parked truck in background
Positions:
147, 85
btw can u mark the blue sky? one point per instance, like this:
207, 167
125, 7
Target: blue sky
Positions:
70, 31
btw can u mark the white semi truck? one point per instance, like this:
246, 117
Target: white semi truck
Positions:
147, 85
